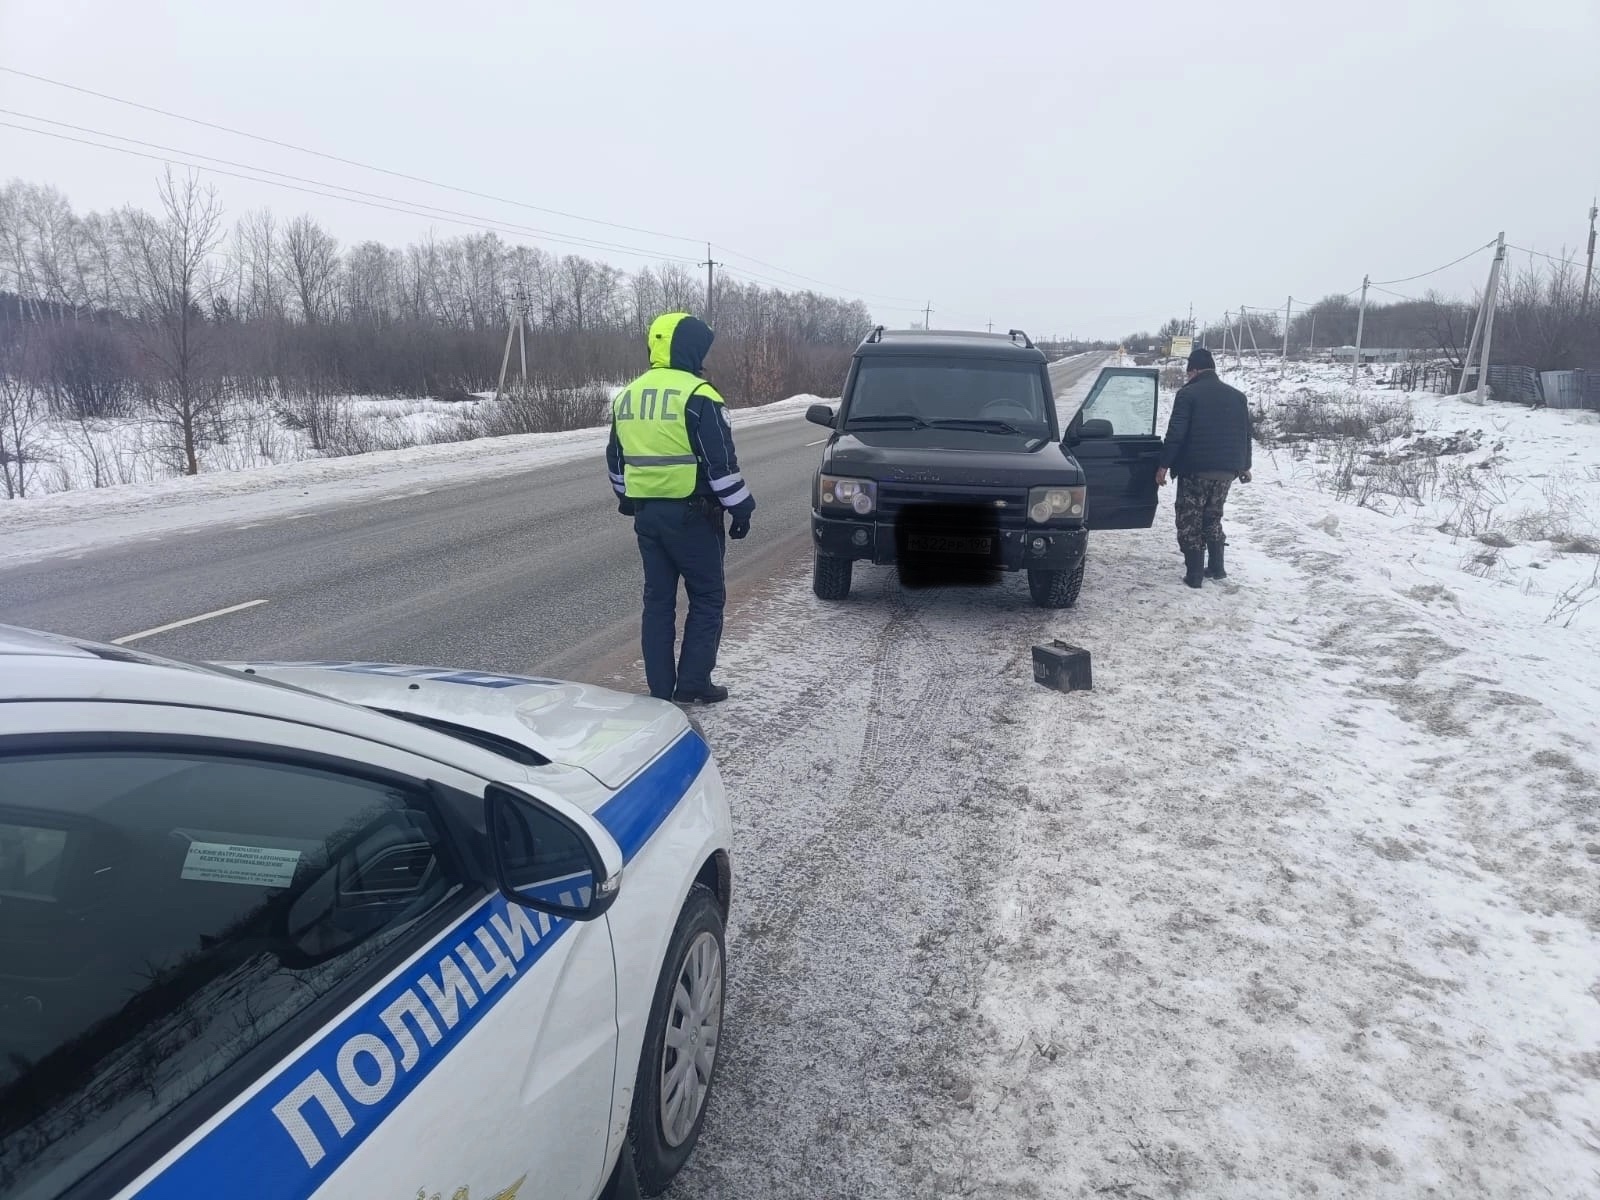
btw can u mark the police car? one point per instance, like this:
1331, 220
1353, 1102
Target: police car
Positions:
336, 929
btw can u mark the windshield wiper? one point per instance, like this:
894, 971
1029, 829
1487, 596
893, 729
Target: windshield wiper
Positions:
909, 420
978, 423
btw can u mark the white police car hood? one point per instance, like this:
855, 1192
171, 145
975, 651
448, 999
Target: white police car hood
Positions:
608, 734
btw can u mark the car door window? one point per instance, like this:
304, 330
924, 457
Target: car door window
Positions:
163, 914
1126, 402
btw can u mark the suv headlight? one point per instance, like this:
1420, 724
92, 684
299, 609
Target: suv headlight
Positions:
859, 496
1056, 503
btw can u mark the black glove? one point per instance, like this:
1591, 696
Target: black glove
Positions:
625, 506
739, 527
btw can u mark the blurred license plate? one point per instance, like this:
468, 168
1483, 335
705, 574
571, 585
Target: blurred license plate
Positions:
930, 544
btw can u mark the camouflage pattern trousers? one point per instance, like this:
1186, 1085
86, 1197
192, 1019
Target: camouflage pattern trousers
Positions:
1199, 511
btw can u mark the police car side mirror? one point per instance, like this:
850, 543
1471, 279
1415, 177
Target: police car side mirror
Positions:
820, 414
546, 861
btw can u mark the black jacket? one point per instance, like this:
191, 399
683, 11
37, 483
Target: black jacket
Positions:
1209, 429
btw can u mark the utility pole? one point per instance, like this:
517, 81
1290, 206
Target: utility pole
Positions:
522, 334
1190, 329
711, 285
1588, 276
927, 316
1489, 290
1253, 344
1238, 337
1311, 349
514, 332
1489, 302
1361, 328
991, 326
1288, 306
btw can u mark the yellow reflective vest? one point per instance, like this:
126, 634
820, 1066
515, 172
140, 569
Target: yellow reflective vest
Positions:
648, 415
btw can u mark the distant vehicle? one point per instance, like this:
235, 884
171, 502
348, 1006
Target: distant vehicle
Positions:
947, 447
342, 929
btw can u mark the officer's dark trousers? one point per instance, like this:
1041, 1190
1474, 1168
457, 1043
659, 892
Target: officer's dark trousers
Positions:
681, 539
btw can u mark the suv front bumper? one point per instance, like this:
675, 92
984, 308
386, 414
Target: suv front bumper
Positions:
869, 540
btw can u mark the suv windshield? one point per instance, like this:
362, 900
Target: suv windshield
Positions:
971, 393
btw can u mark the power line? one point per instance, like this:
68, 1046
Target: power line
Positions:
349, 162
1566, 262
570, 240
900, 300
377, 200
400, 206
1471, 254
1396, 295
270, 141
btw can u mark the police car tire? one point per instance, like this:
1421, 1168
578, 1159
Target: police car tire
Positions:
655, 1162
830, 577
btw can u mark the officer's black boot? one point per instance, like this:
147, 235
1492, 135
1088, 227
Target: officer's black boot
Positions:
1194, 562
712, 693
1214, 568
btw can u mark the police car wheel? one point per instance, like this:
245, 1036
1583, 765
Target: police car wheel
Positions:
679, 1059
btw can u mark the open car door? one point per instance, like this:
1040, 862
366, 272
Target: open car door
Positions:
1113, 437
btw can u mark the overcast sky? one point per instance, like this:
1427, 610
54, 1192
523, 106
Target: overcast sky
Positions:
1072, 167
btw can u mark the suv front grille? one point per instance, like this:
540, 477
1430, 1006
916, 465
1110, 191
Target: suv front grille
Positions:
1010, 505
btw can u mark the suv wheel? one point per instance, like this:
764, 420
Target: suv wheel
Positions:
1057, 589
679, 1059
830, 577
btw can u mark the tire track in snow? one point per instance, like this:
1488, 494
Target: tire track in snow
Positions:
861, 846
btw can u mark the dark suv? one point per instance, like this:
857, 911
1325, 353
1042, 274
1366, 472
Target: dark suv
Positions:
948, 459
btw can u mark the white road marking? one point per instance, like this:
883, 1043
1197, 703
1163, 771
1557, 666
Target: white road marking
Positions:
251, 525
221, 612
810, 444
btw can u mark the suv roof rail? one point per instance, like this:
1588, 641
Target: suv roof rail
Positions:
876, 335
1026, 340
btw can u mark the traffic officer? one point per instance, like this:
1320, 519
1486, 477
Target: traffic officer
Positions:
675, 473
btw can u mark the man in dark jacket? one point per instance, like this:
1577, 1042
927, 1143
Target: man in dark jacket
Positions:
674, 471
1207, 447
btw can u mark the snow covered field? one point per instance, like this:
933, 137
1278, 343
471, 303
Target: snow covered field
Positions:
1302, 899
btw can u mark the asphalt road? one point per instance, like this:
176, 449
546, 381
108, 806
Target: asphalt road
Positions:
530, 572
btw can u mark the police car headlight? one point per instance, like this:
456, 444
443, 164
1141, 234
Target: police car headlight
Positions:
860, 496
1054, 504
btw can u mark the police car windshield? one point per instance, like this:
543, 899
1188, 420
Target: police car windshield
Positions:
956, 392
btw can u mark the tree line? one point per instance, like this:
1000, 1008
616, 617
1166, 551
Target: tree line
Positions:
1540, 322
176, 313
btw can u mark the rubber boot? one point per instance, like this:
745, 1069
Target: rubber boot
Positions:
1194, 562
1214, 568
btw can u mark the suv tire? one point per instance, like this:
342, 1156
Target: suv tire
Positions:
830, 577
1057, 589
700, 930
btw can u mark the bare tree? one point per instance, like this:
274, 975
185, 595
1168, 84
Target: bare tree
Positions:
20, 419
167, 260
308, 259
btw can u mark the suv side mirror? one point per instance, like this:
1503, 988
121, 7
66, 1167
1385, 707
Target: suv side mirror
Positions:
544, 861
1099, 427
820, 414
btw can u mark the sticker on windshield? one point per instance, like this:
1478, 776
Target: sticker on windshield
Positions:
258, 866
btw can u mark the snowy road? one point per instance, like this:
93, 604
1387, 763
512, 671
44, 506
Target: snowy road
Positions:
529, 570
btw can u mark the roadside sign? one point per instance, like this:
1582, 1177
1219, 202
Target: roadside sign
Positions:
1181, 347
